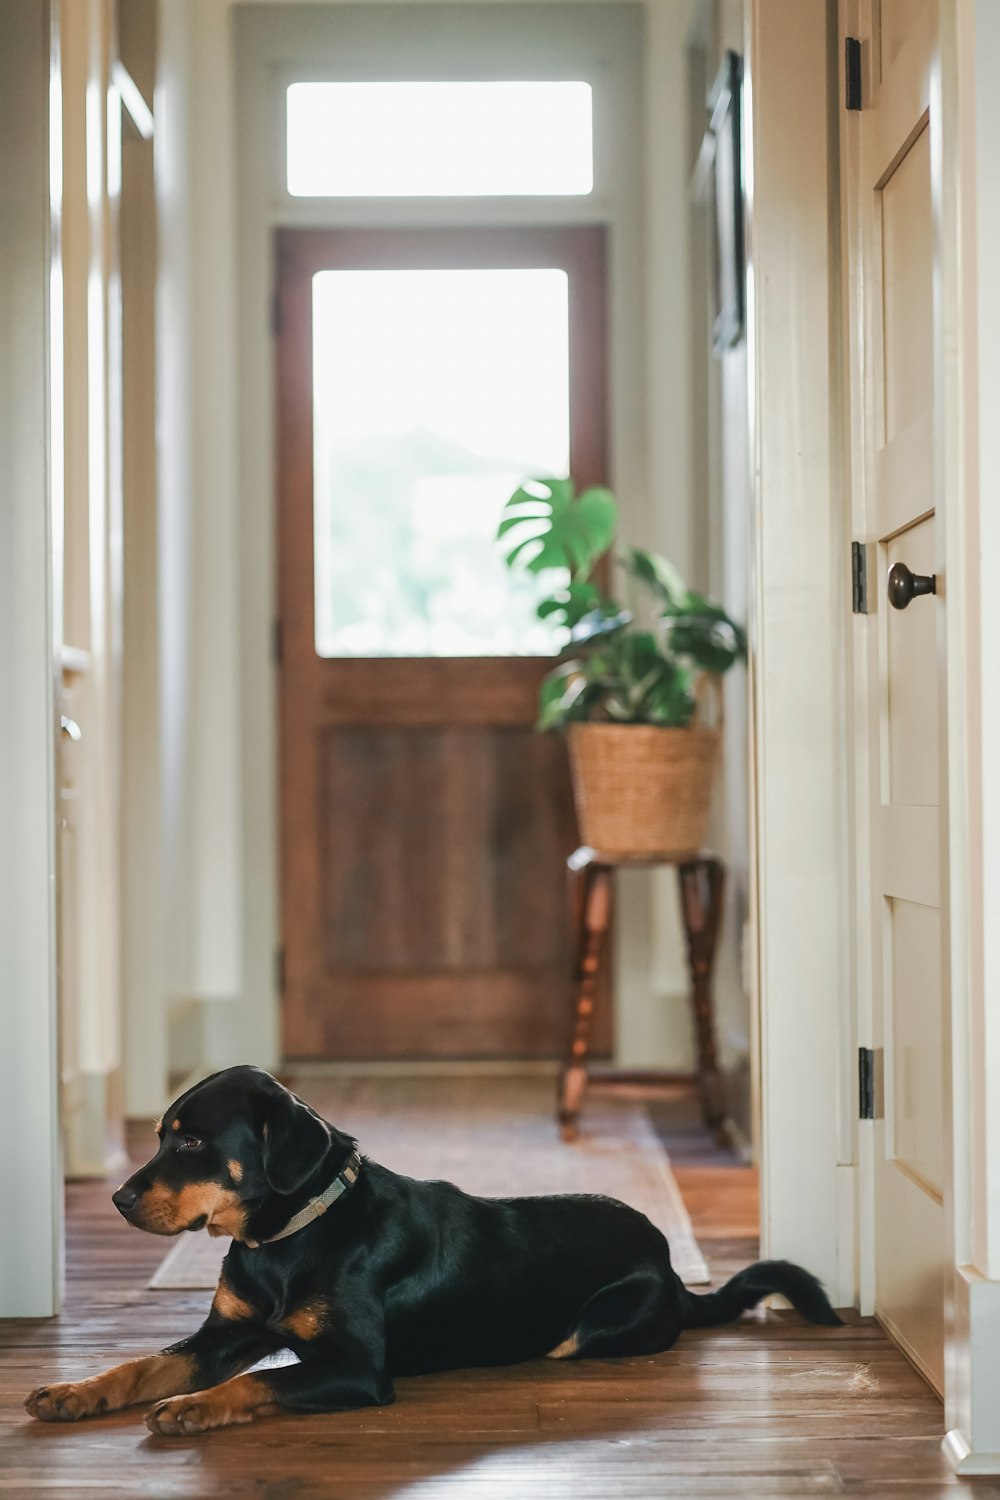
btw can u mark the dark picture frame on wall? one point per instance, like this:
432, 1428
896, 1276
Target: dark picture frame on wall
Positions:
725, 149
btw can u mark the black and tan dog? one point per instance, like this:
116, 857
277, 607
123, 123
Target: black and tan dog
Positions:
366, 1275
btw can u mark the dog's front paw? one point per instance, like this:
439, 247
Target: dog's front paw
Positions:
63, 1403
186, 1416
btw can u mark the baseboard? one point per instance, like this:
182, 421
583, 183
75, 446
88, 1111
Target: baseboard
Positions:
962, 1458
304, 1067
645, 1077
93, 1126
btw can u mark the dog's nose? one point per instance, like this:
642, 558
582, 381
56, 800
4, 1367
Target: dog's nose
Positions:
125, 1199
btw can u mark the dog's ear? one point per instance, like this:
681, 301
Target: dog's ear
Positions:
294, 1141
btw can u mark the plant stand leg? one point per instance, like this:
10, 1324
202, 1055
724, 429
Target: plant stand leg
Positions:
595, 919
702, 882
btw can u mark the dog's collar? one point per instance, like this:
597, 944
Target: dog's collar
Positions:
316, 1207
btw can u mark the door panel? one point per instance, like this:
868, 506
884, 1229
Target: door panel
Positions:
912, 698
907, 286
913, 1096
453, 884
892, 271
424, 825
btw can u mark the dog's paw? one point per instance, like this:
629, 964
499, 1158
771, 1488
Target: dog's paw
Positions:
64, 1403
186, 1416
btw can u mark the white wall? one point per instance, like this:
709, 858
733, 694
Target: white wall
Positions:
201, 753
30, 1168
721, 509
219, 732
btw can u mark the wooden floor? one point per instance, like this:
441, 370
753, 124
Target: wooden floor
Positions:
760, 1409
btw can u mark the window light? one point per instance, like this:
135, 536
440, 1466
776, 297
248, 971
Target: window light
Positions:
374, 140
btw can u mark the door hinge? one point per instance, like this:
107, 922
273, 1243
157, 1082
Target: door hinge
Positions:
276, 642
866, 1083
279, 970
852, 72
859, 578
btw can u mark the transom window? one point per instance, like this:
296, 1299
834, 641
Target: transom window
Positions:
487, 139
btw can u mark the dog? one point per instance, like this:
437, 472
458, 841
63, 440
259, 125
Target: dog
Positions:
367, 1275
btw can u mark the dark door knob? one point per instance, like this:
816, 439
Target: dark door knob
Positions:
902, 585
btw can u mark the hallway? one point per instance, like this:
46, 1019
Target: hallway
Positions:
756, 1409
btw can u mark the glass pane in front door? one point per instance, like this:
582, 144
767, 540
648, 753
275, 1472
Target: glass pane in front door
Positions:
435, 393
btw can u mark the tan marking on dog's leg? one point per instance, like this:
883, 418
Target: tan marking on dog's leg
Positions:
306, 1321
566, 1349
238, 1400
129, 1384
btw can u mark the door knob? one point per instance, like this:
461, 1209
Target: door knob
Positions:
902, 585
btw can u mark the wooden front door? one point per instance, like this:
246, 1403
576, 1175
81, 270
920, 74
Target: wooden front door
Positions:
897, 380
424, 823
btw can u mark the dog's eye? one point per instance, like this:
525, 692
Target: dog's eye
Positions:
188, 1143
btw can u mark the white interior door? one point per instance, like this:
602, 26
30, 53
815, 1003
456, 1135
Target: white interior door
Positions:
901, 702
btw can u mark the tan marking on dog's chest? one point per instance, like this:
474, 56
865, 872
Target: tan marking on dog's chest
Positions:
235, 1169
228, 1304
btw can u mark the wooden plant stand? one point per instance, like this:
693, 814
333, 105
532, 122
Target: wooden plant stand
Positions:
702, 881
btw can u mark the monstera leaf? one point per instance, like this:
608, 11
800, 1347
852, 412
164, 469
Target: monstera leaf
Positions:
554, 527
704, 634
569, 605
656, 573
567, 693
606, 620
622, 672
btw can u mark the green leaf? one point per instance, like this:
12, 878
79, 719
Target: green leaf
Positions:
642, 654
555, 528
596, 624
706, 635
657, 573
570, 604
565, 694
670, 701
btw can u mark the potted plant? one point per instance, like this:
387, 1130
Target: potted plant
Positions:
634, 685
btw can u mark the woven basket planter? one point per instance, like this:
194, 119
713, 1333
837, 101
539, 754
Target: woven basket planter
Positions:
641, 790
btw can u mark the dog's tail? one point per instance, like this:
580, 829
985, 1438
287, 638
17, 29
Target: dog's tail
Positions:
748, 1287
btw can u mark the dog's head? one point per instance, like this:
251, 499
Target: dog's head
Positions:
226, 1148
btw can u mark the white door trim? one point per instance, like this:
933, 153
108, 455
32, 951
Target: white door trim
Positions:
970, 447
800, 579
31, 1243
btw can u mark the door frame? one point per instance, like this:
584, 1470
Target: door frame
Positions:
812, 1148
798, 557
